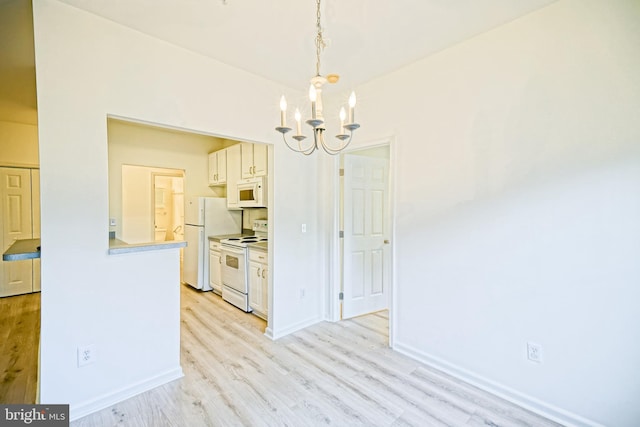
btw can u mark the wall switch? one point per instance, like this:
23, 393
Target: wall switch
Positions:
86, 355
112, 222
302, 293
304, 228
534, 352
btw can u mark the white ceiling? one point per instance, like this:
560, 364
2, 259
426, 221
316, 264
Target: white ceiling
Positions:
275, 39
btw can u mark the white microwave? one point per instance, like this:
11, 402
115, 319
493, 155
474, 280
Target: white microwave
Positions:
252, 193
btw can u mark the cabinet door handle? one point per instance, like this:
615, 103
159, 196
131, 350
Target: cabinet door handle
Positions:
263, 273
258, 271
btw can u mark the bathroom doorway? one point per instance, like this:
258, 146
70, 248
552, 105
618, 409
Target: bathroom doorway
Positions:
168, 191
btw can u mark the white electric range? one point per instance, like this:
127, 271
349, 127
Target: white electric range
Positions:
235, 265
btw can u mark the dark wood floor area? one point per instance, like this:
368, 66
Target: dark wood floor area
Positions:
19, 341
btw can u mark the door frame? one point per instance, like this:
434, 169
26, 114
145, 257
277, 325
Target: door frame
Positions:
336, 255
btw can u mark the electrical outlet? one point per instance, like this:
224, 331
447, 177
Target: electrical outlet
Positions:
86, 355
534, 352
112, 222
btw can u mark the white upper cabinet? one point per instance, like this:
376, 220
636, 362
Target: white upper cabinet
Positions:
254, 160
233, 175
218, 167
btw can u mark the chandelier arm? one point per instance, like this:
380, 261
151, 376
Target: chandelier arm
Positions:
333, 151
306, 151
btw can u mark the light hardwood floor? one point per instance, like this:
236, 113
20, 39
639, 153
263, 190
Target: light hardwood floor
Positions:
340, 374
19, 341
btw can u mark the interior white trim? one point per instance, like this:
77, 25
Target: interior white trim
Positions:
88, 407
291, 329
523, 400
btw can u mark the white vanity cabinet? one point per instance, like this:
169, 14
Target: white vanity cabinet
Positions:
258, 282
215, 267
254, 160
218, 167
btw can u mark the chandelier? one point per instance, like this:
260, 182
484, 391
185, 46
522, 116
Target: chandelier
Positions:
316, 121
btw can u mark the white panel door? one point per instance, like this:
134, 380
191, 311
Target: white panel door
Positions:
367, 257
15, 190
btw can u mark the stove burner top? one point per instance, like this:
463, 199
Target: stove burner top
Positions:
243, 241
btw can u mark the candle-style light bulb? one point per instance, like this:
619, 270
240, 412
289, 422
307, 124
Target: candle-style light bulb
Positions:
312, 97
283, 112
312, 93
298, 125
352, 104
343, 115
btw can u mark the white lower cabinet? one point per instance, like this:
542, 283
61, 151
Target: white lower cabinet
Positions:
215, 267
258, 282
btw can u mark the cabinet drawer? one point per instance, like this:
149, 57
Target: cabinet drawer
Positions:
213, 245
257, 255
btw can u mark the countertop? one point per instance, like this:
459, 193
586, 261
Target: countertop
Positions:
227, 236
261, 246
30, 248
22, 249
119, 247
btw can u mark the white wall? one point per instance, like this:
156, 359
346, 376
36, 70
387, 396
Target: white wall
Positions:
18, 144
518, 207
137, 217
142, 145
128, 305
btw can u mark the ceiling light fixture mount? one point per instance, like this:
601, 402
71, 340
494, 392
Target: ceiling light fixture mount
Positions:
317, 119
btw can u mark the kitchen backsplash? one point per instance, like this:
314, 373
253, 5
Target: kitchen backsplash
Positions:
251, 214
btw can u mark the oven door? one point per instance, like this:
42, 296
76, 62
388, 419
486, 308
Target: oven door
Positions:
234, 269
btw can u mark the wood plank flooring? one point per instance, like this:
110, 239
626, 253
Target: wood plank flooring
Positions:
19, 341
340, 374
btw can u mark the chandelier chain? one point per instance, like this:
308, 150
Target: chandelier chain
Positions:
320, 43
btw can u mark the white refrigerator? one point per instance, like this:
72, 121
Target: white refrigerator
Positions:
204, 217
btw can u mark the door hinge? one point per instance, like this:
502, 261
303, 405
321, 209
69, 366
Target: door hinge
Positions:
341, 172
341, 296
341, 234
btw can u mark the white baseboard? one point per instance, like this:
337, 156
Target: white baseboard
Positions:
528, 402
268, 333
85, 408
293, 328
